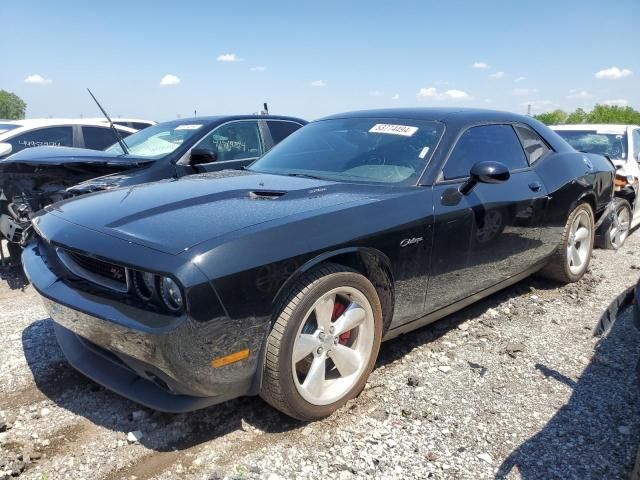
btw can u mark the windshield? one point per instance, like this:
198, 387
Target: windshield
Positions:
612, 144
382, 150
159, 140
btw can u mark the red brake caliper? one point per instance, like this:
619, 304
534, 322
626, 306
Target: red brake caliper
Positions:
338, 309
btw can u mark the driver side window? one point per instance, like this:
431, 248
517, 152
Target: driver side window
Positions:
497, 143
234, 141
636, 144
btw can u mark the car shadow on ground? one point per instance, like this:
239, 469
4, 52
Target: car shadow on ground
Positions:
74, 392
162, 432
397, 348
595, 434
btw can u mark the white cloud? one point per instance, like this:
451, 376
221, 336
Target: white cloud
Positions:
168, 80
375, 93
497, 75
396, 97
620, 102
520, 79
318, 83
613, 73
37, 80
521, 92
258, 69
432, 92
480, 65
228, 57
579, 94
457, 94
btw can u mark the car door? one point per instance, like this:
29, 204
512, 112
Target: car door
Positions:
236, 144
57, 136
492, 233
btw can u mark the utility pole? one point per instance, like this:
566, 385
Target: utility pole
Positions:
529, 109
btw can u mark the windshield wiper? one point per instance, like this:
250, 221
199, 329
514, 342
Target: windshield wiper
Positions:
304, 175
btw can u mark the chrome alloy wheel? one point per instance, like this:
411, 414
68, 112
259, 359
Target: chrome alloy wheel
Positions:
333, 346
579, 244
620, 228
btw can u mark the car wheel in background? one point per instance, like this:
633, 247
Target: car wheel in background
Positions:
324, 343
618, 231
15, 253
571, 258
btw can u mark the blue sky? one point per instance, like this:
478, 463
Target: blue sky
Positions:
316, 58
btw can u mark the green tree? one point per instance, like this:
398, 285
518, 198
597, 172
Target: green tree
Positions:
12, 107
552, 118
599, 114
579, 116
613, 114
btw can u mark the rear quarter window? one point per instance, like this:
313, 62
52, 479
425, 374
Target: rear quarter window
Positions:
280, 129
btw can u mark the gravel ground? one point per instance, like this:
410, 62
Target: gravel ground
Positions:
515, 386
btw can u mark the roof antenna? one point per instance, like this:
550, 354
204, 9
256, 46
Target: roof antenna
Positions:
195, 114
265, 109
123, 145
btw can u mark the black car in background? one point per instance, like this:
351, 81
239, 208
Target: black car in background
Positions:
282, 279
39, 176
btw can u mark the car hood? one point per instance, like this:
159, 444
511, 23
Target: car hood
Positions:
174, 215
68, 155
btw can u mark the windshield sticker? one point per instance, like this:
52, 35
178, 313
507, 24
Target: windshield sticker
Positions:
387, 128
189, 126
423, 153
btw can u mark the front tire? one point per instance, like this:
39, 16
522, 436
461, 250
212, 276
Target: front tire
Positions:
324, 343
571, 258
618, 231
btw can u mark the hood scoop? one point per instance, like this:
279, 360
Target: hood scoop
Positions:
265, 195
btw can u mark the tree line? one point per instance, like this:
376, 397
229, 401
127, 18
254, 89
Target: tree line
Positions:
599, 114
13, 107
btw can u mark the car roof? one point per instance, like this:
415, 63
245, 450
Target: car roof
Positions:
48, 122
218, 119
439, 114
610, 127
119, 119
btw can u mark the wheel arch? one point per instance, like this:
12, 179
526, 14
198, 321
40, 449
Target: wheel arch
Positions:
371, 263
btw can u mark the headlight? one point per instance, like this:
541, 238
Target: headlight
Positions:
162, 291
170, 293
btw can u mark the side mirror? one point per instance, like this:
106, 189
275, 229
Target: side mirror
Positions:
5, 149
485, 172
202, 155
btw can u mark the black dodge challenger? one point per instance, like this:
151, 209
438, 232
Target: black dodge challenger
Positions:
283, 278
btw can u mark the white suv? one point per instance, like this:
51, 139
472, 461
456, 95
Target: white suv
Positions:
16, 135
621, 143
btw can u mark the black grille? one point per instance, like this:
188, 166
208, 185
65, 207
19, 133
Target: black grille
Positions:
108, 270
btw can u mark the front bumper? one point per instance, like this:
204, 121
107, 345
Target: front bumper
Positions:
165, 365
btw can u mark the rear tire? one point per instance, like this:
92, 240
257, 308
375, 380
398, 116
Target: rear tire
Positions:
615, 236
15, 253
572, 256
324, 343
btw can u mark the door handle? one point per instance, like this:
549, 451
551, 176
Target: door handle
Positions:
535, 186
